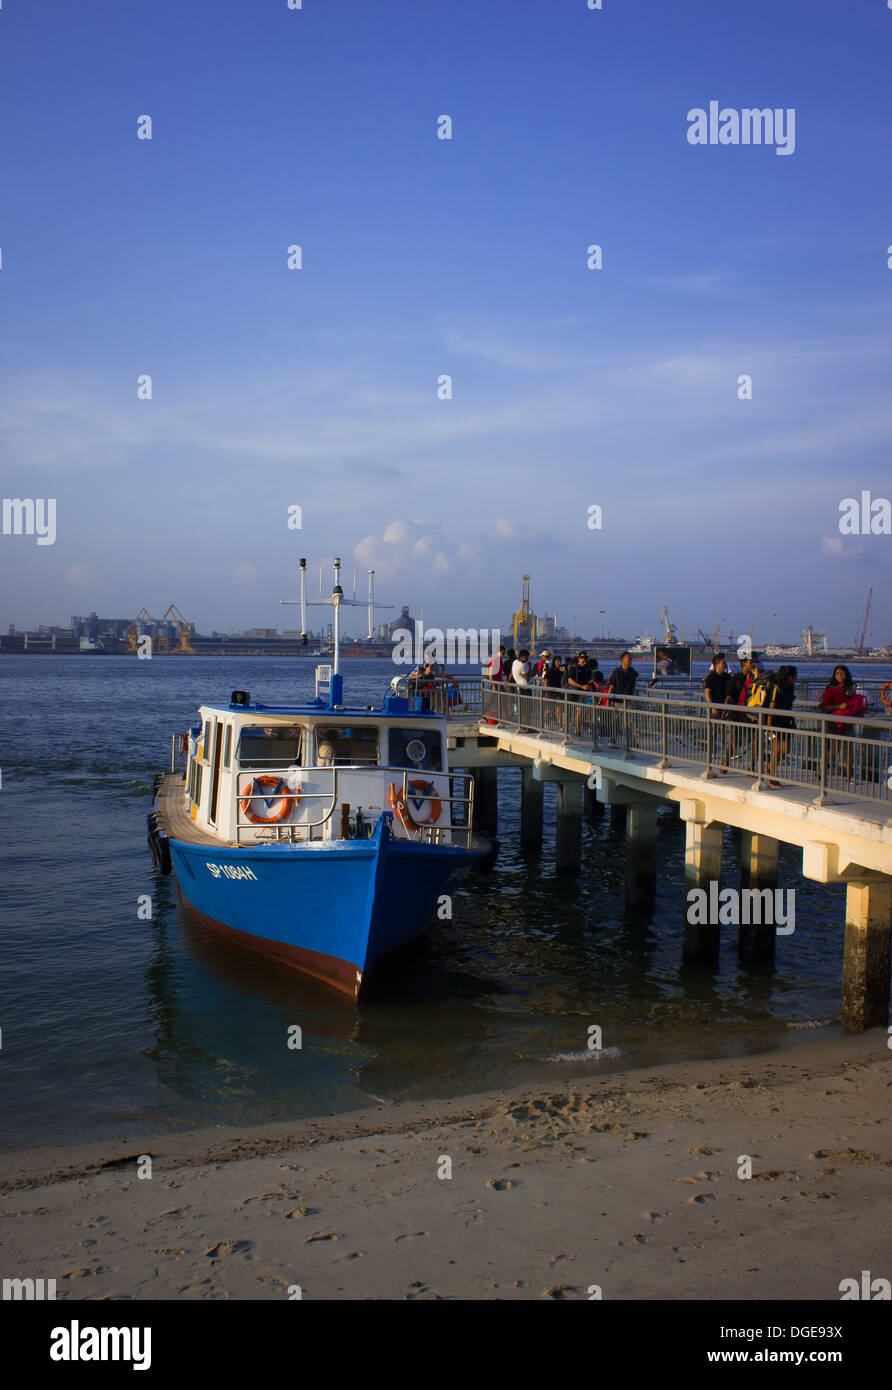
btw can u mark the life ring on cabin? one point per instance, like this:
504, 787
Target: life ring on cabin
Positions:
288, 798
428, 792
887, 686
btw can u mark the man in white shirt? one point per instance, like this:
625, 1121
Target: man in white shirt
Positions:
521, 671
521, 668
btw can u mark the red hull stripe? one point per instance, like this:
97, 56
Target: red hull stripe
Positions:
342, 974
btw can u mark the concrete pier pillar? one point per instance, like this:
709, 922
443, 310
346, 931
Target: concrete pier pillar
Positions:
530, 808
758, 869
617, 816
865, 975
641, 859
593, 807
703, 865
568, 838
486, 800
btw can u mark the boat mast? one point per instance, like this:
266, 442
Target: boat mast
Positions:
337, 684
371, 601
303, 599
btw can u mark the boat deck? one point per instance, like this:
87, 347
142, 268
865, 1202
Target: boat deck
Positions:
173, 820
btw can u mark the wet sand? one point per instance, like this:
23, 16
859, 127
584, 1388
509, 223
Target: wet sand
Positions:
627, 1182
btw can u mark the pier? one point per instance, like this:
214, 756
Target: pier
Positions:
637, 753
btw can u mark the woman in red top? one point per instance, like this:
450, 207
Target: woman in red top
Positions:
839, 698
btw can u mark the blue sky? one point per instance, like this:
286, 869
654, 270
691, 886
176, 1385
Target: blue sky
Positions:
424, 257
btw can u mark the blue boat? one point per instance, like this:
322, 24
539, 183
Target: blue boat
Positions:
321, 835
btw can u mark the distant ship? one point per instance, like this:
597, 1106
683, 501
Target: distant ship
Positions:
90, 648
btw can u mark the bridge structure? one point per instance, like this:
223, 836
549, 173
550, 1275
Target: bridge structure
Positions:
823, 784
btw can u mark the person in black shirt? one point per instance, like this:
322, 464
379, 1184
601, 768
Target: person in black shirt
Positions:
622, 682
715, 689
735, 699
554, 674
781, 696
623, 679
579, 678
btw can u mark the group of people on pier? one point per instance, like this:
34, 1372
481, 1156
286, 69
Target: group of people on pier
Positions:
551, 672
737, 701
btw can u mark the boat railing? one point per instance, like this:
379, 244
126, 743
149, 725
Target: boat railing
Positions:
357, 827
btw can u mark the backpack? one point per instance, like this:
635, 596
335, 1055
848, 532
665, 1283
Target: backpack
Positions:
855, 706
759, 692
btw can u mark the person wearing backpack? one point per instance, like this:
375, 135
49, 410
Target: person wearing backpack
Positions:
783, 693
735, 697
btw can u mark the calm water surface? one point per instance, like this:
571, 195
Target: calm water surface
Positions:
114, 1025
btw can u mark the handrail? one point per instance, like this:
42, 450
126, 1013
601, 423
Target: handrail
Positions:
808, 751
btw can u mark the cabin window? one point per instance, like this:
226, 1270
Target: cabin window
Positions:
421, 748
270, 747
346, 745
206, 741
195, 789
227, 747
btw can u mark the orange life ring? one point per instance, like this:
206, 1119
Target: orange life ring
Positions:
288, 798
887, 686
428, 793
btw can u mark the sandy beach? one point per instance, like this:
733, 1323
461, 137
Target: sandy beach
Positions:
628, 1182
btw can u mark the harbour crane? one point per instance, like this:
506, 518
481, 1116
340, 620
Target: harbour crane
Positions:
184, 629
671, 629
134, 631
525, 620
860, 641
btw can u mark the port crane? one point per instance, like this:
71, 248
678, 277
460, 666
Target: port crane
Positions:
184, 630
173, 615
860, 641
143, 618
525, 620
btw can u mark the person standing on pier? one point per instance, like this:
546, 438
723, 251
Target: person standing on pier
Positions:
736, 696
579, 677
783, 693
497, 666
622, 683
715, 690
552, 681
839, 697
521, 671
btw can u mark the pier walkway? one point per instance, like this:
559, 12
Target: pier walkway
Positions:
834, 801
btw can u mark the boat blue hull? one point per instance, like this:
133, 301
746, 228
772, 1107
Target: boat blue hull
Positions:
331, 909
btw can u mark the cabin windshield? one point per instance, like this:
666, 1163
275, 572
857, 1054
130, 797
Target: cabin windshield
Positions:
270, 746
421, 748
346, 745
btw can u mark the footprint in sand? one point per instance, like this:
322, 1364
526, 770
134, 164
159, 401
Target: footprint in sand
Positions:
297, 1213
500, 1184
702, 1197
228, 1247
412, 1235
326, 1235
